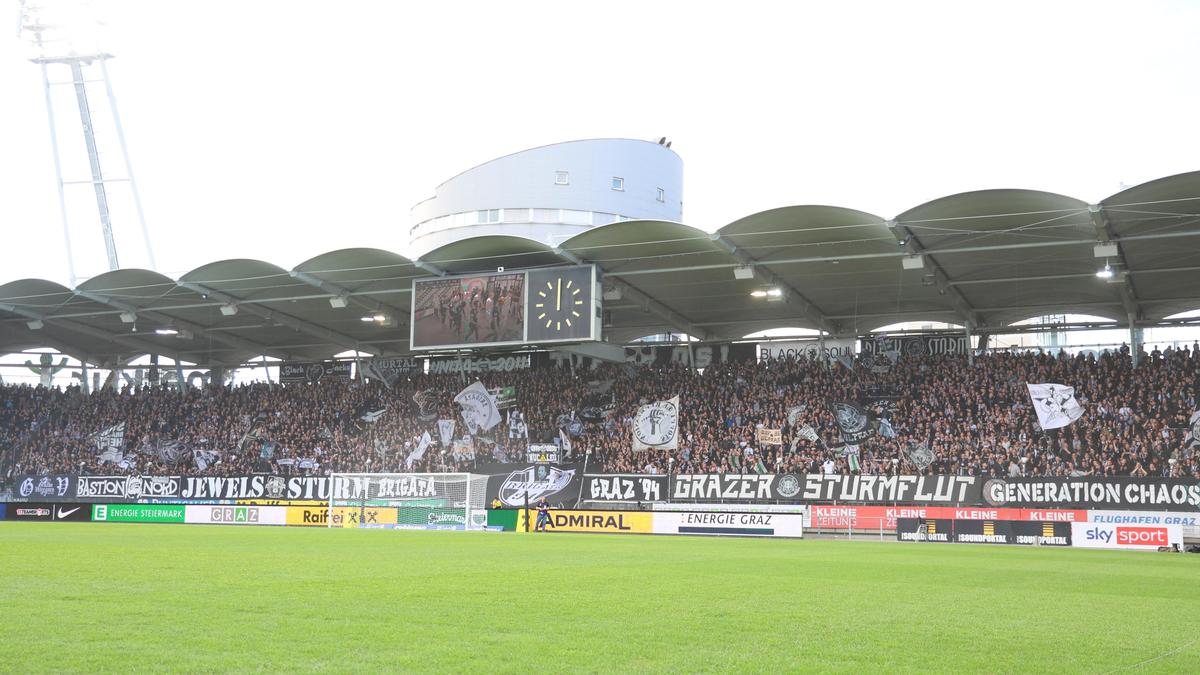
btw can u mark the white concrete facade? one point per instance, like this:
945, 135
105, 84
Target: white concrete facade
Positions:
553, 192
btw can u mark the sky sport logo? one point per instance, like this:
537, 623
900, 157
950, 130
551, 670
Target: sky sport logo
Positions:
1142, 536
1151, 537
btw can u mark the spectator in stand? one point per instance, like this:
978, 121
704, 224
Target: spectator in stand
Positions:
976, 419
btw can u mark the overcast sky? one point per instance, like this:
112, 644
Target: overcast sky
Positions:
279, 130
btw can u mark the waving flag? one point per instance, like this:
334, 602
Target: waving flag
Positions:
1055, 404
479, 409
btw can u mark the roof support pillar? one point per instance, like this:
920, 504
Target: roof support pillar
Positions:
1105, 235
647, 303
768, 277
909, 241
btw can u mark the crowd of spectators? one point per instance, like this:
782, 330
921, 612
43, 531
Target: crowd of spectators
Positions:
975, 418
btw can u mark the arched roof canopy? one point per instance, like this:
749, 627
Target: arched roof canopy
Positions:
485, 255
1155, 224
992, 250
841, 263
987, 257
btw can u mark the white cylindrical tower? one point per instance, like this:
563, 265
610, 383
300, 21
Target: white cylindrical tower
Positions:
553, 192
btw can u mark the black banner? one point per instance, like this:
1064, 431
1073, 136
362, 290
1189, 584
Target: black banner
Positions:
564, 483
1088, 492
44, 487
749, 488
853, 421
510, 483
120, 488
314, 372
917, 345
625, 488
200, 489
1022, 532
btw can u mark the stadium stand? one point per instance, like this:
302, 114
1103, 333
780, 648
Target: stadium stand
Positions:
976, 419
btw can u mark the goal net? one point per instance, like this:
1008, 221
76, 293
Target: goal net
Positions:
415, 501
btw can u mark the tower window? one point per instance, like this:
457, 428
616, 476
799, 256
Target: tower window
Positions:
618, 183
662, 195
562, 178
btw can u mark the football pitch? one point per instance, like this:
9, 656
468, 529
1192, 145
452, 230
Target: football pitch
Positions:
122, 598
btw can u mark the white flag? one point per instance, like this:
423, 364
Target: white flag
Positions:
516, 425
1055, 404
656, 426
420, 451
793, 414
565, 441
111, 443
478, 408
1192, 439
446, 432
807, 433
203, 458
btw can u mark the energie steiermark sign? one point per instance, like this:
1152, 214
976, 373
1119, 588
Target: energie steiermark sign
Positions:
138, 513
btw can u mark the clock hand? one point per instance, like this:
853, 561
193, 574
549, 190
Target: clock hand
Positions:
558, 299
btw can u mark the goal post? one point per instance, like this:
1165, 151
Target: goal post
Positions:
412, 501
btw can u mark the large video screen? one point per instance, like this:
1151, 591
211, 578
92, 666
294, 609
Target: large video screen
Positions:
555, 304
468, 310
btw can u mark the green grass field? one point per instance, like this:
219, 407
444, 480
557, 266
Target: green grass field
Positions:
121, 598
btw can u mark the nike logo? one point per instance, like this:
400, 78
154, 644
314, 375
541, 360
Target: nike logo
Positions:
63, 514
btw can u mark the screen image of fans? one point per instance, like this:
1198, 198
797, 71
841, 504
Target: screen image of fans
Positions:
468, 310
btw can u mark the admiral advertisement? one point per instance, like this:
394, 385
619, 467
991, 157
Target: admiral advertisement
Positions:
614, 522
1020, 532
513, 484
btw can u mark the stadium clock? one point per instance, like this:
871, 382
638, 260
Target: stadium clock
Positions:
559, 302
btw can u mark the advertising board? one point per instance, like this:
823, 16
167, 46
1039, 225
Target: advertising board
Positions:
235, 515
729, 524
31, 512
139, 513
343, 516
1190, 522
621, 522
825, 516
1018, 532
1134, 537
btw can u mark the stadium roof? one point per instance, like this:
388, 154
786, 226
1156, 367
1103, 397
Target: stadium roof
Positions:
987, 258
